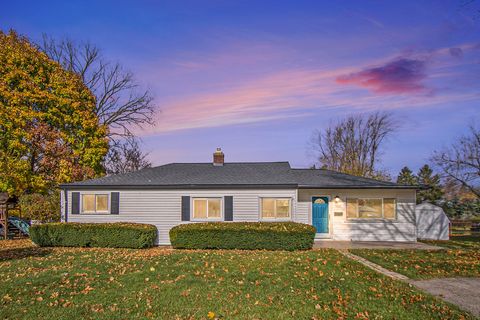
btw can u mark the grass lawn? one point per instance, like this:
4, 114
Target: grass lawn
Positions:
66, 283
458, 242
460, 259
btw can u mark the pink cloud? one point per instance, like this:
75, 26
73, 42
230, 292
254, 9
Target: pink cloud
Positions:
402, 75
275, 96
456, 52
301, 92
285, 95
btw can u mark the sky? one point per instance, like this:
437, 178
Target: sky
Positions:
257, 78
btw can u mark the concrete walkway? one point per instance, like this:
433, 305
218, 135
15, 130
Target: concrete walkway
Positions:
463, 292
375, 266
343, 245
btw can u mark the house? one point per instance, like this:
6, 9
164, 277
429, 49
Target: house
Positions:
338, 205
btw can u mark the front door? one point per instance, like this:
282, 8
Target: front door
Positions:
320, 214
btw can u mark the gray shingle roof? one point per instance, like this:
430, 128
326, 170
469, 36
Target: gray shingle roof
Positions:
322, 178
233, 174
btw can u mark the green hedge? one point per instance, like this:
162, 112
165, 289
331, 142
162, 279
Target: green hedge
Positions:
112, 235
243, 235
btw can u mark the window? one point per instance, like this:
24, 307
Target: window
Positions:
268, 208
370, 208
94, 203
275, 208
207, 208
389, 208
365, 208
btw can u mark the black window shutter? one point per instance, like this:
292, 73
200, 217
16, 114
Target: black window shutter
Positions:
228, 208
65, 194
115, 203
185, 208
75, 202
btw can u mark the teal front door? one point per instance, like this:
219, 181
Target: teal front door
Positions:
320, 214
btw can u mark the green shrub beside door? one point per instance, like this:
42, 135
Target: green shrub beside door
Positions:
243, 235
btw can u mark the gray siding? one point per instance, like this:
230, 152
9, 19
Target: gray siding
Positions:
401, 229
162, 208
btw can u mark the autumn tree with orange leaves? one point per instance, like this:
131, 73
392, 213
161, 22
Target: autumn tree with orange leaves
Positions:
49, 131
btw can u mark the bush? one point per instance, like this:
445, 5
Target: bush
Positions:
112, 235
41, 207
243, 235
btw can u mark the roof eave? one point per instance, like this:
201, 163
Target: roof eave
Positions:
408, 187
230, 186
179, 186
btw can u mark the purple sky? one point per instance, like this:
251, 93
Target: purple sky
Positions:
258, 77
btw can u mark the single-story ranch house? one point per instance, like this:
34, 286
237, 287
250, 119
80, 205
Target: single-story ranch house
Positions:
339, 206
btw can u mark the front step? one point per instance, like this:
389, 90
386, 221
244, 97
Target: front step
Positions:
323, 236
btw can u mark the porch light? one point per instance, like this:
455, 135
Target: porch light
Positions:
337, 198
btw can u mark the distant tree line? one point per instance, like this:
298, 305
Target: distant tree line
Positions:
457, 185
429, 183
355, 144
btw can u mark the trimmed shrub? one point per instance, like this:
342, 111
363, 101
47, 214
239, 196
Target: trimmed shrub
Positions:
243, 235
111, 235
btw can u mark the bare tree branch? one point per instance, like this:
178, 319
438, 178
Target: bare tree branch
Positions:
461, 161
353, 145
120, 104
126, 157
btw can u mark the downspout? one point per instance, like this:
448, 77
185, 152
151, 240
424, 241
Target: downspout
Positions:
65, 192
415, 214
296, 205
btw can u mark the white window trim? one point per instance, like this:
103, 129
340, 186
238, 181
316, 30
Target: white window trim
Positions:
370, 219
207, 218
290, 202
95, 211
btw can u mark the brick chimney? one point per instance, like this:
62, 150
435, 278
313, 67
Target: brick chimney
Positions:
218, 157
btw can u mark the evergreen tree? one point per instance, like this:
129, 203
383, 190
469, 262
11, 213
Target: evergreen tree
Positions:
426, 178
406, 177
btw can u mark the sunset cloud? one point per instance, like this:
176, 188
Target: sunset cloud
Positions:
456, 52
402, 75
392, 83
268, 98
287, 95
